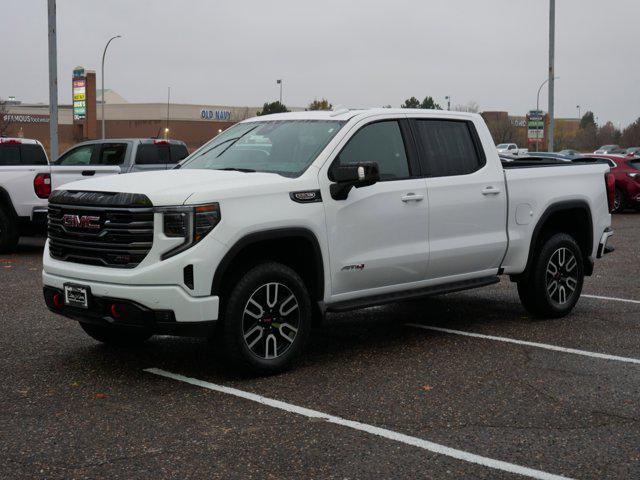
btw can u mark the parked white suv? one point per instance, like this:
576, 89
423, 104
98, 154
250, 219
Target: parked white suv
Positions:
282, 218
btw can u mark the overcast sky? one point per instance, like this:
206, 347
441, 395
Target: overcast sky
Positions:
356, 53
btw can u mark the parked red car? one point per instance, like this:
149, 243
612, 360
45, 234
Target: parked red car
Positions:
626, 171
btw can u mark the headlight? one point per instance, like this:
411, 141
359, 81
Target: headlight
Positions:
192, 223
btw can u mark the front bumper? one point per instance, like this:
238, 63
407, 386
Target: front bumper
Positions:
185, 308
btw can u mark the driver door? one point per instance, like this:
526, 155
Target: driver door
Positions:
377, 236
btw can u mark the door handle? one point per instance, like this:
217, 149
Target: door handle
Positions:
411, 197
490, 190
88, 173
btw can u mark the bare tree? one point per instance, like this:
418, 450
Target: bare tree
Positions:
503, 131
471, 107
4, 119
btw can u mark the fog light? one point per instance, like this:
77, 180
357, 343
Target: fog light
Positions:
57, 300
115, 311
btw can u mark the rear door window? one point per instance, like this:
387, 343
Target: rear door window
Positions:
447, 147
153, 154
635, 164
77, 156
112, 154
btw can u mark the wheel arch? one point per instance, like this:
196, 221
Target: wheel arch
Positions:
572, 217
271, 245
5, 201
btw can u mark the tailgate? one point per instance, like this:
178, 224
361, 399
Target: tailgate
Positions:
61, 174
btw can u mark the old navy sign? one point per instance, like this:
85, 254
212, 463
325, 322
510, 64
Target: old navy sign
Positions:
223, 115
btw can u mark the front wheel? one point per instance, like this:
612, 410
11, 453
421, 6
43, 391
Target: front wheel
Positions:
553, 285
267, 319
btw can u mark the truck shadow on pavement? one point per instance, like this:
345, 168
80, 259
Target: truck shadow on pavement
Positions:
342, 338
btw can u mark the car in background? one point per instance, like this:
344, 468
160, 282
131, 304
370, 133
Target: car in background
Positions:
113, 156
609, 150
627, 175
570, 153
633, 151
25, 184
626, 172
510, 149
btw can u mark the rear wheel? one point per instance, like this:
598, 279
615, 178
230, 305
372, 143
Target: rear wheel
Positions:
267, 319
8, 232
121, 336
553, 285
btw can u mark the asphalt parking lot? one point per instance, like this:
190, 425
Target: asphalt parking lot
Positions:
386, 399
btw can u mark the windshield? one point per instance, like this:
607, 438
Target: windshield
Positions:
285, 147
502, 146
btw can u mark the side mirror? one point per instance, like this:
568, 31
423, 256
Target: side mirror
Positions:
356, 175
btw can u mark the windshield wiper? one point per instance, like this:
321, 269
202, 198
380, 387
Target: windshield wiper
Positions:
231, 144
234, 169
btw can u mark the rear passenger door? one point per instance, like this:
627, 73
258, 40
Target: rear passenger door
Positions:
467, 200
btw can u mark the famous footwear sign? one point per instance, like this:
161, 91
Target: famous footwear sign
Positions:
18, 118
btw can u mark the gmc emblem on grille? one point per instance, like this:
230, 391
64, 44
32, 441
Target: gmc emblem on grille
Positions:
81, 221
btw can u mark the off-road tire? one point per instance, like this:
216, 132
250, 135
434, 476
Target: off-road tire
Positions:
536, 288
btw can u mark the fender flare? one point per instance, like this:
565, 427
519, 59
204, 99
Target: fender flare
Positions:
559, 207
256, 237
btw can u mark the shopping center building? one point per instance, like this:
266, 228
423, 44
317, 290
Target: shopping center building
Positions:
193, 124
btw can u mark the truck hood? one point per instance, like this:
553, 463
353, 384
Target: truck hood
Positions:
174, 187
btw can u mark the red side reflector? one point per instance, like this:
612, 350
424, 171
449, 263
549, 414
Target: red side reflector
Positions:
610, 182
42, 185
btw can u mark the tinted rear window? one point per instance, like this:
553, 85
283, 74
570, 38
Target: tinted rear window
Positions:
635, 164
178, 152
9, 154
112, 154
27, 154
447, 147
152, 154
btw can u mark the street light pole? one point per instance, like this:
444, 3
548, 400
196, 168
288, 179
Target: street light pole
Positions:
579, 116
538, 98
279, 82
552, 35
53, 81
448, 99
102, 99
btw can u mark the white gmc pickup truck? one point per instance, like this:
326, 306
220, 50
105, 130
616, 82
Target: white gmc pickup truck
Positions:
282, 218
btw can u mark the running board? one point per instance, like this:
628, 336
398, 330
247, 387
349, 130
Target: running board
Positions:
376, 300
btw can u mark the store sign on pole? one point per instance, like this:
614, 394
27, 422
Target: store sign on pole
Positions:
79, 98
535, 126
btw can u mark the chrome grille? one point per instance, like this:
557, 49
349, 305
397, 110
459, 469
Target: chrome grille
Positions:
121, 238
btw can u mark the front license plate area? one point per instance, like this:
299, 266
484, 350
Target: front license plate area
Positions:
76, 296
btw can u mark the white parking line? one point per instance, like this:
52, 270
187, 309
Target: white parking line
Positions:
546, 346
613, 299
363, 427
